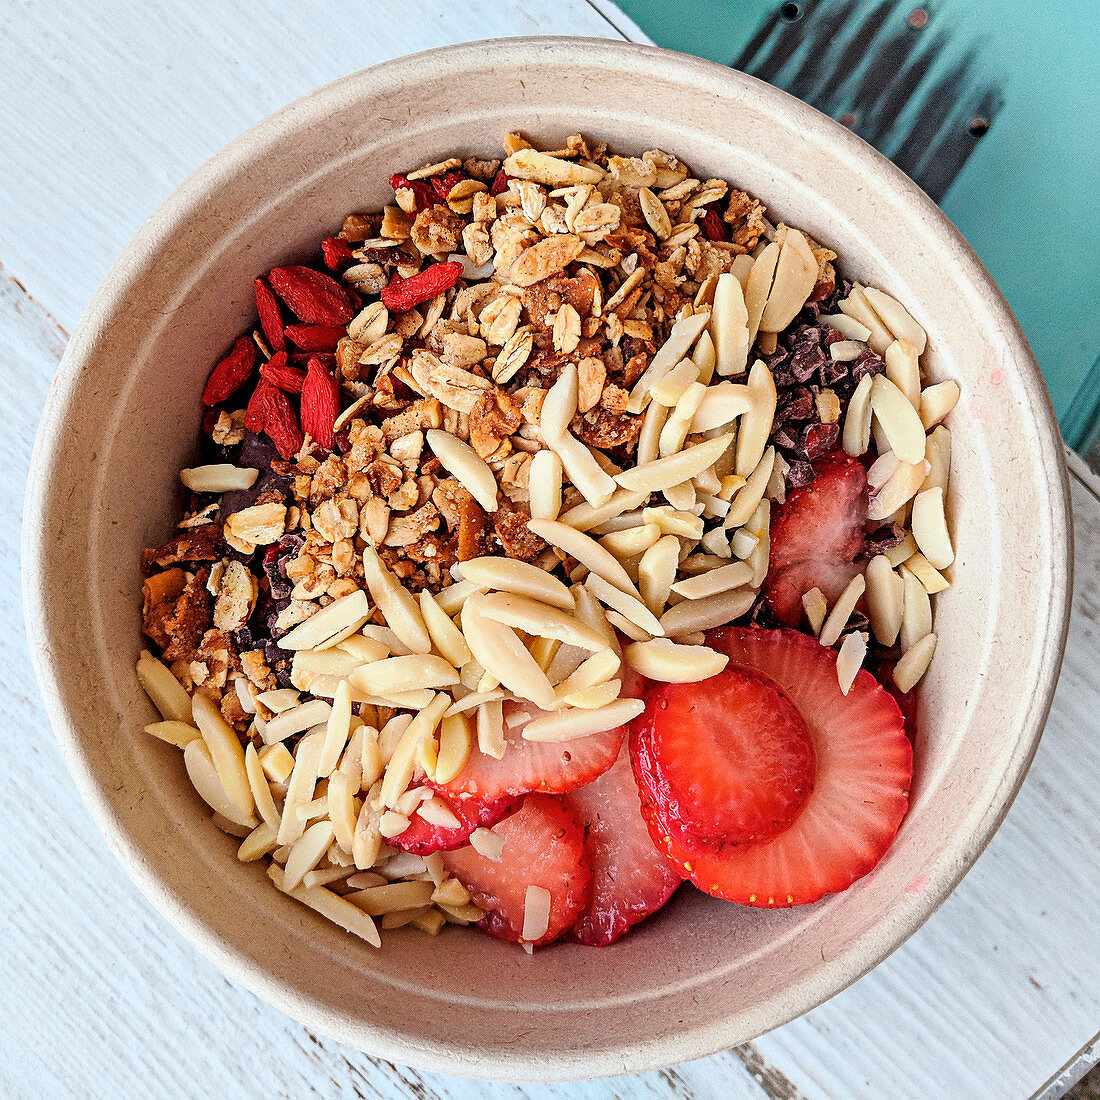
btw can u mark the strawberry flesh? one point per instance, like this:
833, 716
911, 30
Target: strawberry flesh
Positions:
422, 837
543, 846
728, 760
816, 535
861, 793
527, 766
630, 878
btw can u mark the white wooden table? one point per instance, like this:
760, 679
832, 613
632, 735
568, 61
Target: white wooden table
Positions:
104, 109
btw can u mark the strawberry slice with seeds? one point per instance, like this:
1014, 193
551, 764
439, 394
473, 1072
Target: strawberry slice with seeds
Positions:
864, 766
816, 535
543, 846
728, 760
423, 837
528, 766
630, 878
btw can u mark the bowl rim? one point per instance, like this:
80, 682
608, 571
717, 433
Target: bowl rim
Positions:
858, 957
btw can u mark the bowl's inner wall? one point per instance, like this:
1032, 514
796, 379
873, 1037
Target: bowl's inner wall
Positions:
721, 971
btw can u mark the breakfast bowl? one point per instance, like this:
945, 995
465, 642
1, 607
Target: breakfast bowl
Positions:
120, 423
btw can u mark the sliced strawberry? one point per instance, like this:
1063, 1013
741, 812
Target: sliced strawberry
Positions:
534, 765
630, 878
864, 768
422, 837
543, 846
725, 760
815, 536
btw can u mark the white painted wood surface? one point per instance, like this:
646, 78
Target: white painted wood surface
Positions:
105, 108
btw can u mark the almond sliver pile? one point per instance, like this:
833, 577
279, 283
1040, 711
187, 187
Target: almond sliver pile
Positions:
519, 440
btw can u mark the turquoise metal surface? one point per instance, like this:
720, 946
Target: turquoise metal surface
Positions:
991, 106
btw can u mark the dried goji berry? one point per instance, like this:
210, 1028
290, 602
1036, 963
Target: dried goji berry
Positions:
402, 294
500, 183
271, 316
713, 227
315, 298
281, 424
320, 404
442, 184
254, 414
421, 189
301, 359
337, 253
281, 375
231, 373
316, 337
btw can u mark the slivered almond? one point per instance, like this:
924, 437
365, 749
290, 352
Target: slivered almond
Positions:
533, 617
397, 604
721, 405
937, 401
451, 598
570, 724
632, 541
628, 629
758, 286
307, 852
856, 436
351, 610
595, 484
849, 659
467, 466
259, 843
705, 357
626, 604
544, 485
584, 517
937, 456
729, 326
164, 690
331, 906
208, 785
680, 338
592, 698
900, 487
816, 608
896, 318
930, 577
673, 521
585, 549
657, 571
885, 597
847, 326
591, 613
455, 744
295, 720
670, 388
914, 662
225, 751
560, 404
707, 613
930, 528
397, 674
490, 729
499, 651
756, 424
662, 659
842, 610
710, 583
180, 734
337, 731
519, 577
795, 276
751, 493
536, 909
487, 843
446, 637
664, 473
399, 771
649, 438
299, 793
597, 669
900, 421
678, 425
916, 618
879, 337
903, 370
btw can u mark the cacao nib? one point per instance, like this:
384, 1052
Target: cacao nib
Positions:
276, 558
867, 362
800, 474
885, 538
796, 404
783, 438
833, 372
833, 336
